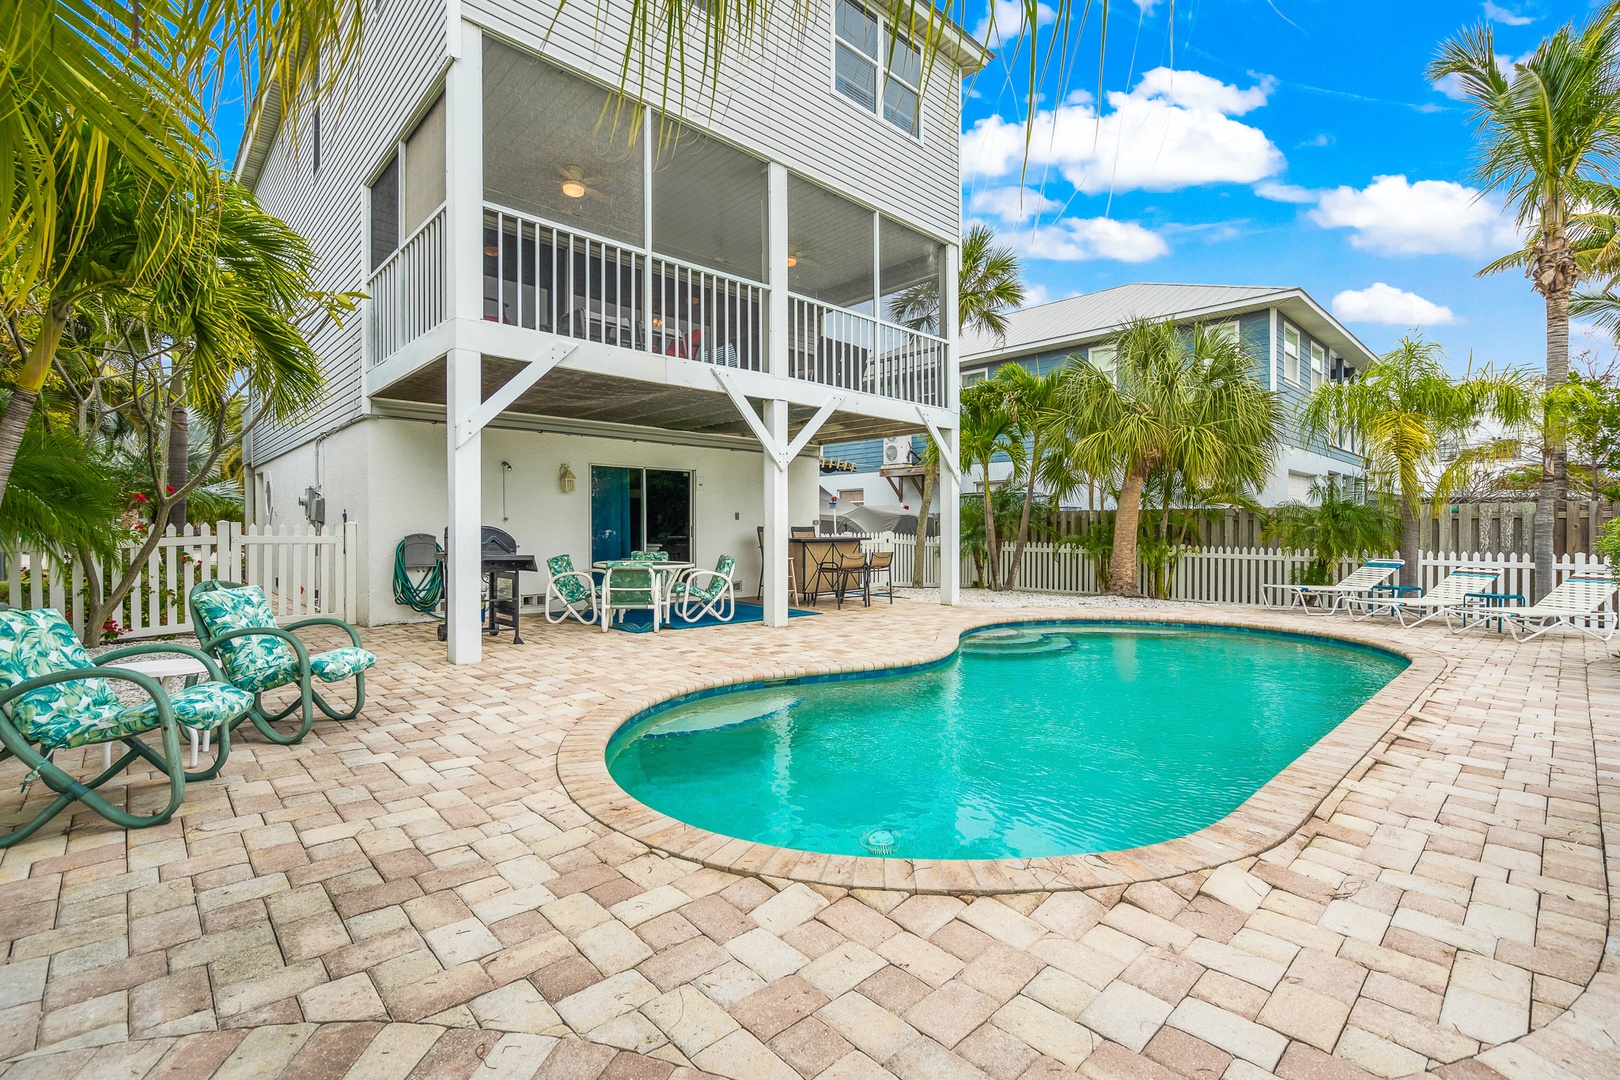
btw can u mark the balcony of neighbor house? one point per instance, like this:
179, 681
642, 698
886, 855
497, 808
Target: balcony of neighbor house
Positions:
638, 249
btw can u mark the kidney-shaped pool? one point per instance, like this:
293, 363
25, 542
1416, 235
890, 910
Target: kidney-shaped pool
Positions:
1035, 740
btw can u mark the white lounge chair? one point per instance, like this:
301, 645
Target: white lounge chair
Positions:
1358, 581
1450, 593
1573, 603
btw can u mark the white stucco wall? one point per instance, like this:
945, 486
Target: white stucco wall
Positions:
390, 475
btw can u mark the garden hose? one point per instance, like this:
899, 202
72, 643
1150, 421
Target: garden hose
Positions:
419, 595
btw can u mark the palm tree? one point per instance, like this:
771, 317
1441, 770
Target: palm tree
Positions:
1402, 408
1549, 135
1333, 527
1030, 401
1178, 400
989, 285
988, 430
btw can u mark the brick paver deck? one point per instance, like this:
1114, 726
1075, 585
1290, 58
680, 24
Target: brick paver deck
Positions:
445, 888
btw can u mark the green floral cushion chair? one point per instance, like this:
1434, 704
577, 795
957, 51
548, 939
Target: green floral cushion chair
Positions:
236, 623
706, 592
630, 585
53, 697
574, 588
649, 556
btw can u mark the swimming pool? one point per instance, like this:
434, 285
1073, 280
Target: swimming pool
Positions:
1037, 740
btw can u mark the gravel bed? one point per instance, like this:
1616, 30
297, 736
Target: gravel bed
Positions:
986, 598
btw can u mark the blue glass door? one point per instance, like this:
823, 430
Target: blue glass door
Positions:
615, 512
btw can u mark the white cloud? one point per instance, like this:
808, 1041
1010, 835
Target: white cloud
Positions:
1173, 130
1429, 217
1011, 204
1277, 191
1005, 21
1381, 303
1502, 15
1088, 239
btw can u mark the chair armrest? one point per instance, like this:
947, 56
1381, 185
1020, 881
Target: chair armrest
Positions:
323, 620
153, 648
145, 682
265, 631
590, 582
690, 576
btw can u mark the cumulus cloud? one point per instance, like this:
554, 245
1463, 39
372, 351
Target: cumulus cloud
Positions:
1011, 204
1429, 217
1277, 191
1005, 21
1381, 303
1173, 130
1090, 239
1497, 13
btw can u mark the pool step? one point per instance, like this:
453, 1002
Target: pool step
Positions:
716, 716
1024, 645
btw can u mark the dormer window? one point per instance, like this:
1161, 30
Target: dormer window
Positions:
860, 74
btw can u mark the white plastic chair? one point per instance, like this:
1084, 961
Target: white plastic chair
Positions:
631, 586
1360, 580
1446, 595
716, 595
1575, 602
574, 589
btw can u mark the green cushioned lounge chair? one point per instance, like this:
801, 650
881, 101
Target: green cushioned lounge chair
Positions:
706, 592
236, 623
54, 697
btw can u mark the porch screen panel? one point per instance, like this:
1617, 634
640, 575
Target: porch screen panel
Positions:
560, 148
829, 247
709, 203
423, 189
909, 269
385, 213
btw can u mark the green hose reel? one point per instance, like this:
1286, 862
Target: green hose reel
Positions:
419, 573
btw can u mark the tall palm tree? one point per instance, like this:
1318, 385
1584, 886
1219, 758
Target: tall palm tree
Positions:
1178, 400
987, 430
1401, 408
1030, 401
1549, 133
989, 285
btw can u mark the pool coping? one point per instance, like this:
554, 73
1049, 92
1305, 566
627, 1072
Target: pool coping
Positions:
1269, 817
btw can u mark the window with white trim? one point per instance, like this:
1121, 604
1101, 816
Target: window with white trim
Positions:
858, 68
1225, 331
1290, 354
1102, 358
1318, 363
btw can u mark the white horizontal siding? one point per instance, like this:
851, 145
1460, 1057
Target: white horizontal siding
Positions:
403, 53
773, 96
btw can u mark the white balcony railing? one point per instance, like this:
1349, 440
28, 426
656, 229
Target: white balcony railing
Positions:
407, 290
704, 315
847, 349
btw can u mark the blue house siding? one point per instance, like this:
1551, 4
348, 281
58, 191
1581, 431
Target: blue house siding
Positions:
866, 455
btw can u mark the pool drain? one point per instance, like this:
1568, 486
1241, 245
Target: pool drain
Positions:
879, 842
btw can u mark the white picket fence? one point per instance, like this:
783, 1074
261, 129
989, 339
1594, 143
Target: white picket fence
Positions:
1218, 575
305, 571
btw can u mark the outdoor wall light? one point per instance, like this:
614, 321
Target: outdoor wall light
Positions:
566, 479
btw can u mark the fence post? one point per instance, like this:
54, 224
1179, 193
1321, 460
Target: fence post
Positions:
350, 556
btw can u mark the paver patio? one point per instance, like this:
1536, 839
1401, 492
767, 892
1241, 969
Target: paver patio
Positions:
418, 894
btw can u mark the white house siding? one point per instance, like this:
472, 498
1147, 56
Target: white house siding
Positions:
409, 496
403, 54
775, 98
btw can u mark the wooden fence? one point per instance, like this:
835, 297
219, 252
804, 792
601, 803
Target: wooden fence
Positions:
305, 572
1216, 575
1449, 528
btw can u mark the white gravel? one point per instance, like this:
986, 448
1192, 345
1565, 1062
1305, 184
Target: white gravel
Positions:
1013, 598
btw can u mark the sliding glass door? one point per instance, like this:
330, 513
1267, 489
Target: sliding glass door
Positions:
636, 509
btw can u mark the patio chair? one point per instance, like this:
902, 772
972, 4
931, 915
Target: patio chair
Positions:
1358, 581
649, 556
54, 697
575, 588
1574, 602
235, 622
716, 596
838, 568
1447, 594
880, 562
630, 585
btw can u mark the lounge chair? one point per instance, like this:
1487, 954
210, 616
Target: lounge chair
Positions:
715, 596
1450, 593
54, 697
629, 585
574, 588
1359, 581
1573, 603
235, 623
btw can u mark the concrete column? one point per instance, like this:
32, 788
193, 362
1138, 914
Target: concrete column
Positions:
775, 600
464, 302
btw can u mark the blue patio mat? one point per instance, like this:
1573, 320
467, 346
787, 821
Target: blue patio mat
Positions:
640, 622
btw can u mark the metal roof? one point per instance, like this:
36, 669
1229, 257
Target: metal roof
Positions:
1090, 316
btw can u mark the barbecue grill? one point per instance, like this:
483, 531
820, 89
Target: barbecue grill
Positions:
500, 562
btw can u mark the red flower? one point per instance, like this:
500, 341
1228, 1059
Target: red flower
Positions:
139, 497
168, 489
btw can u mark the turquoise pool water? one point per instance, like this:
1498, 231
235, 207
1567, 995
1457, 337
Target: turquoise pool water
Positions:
1050, 740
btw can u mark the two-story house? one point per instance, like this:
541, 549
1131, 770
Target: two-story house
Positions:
1296, 344
607, 311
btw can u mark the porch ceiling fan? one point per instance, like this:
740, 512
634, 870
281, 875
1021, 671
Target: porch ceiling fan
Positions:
577, 185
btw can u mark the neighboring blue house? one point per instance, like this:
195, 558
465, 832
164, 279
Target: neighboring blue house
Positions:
1296, 343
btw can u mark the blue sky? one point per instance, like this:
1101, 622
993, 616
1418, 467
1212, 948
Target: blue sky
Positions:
1268, 142
1280, 142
